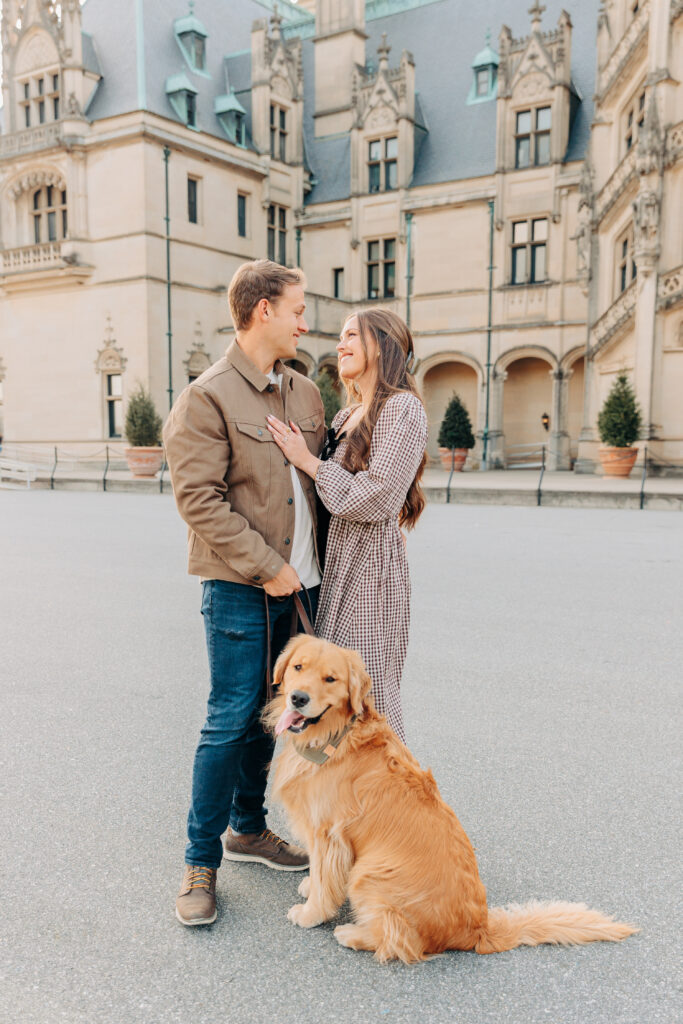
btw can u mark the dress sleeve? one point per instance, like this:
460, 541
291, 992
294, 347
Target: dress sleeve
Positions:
378, 493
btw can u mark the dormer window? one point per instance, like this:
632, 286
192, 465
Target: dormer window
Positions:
231, 117
532, 137
39, 100
191, 36
383, 164
182, 96
485, 68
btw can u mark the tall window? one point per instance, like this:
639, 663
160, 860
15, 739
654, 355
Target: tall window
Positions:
338, 282
192, 200
39, 100
529, 256
482, 81
277, 234
278, 132
382, 268
532, 137
241, 215
383, 164
114, 405
634, 117
626, 265
49, 214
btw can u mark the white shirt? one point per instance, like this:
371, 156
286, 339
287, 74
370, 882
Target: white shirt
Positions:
302, 559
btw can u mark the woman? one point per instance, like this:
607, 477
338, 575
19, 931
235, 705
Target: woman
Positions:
368, 478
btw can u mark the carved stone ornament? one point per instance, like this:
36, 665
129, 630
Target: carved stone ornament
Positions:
583, 235
35, 179
532, 85
645, 220
198, 360
380, 117
38, 51
110, 359
650, 141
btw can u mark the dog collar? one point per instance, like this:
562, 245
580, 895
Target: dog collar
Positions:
323, 754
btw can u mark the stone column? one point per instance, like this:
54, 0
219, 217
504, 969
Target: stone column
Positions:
558, 457
496, 453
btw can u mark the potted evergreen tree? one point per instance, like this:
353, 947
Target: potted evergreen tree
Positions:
143, 431
329, 395
619, 424
455, 435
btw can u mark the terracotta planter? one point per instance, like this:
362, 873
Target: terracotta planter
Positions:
617, 461
447, 460
144, 462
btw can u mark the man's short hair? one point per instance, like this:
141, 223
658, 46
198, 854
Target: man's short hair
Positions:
256, 280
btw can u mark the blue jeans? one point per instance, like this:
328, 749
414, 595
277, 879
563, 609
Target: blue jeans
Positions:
234, 753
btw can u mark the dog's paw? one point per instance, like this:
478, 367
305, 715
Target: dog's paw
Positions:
305, 887
351, 936
301, 914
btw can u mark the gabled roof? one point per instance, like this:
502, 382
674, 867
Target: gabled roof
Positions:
138, 52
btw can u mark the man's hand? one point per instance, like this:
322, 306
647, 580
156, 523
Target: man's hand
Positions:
284, 584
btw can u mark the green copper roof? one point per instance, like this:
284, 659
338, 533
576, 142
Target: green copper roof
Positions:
226, 103
179, 83
485, 56
189, 24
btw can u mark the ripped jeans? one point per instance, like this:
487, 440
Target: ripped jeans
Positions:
231, 763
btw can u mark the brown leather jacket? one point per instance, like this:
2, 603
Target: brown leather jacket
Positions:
232, 484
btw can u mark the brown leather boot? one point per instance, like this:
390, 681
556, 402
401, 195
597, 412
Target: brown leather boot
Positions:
196, 902
265, 848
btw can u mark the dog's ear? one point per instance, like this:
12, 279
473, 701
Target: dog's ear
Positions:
360, 682
286, 656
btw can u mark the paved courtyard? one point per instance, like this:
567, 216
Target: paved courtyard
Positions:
542, 688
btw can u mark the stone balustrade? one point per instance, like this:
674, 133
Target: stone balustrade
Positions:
624, 50
43, 136
616, 184
613, 319
32, 257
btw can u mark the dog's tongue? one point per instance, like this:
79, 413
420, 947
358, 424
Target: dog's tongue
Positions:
286, 719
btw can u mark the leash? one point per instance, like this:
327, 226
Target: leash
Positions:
298, 612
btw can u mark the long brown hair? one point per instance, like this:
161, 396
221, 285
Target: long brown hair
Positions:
395, 353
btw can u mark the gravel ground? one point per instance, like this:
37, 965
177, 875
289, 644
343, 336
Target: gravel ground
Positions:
542, 688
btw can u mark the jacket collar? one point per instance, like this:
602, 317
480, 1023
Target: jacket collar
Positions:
236, 357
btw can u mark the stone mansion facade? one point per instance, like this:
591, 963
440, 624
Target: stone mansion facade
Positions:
510, 181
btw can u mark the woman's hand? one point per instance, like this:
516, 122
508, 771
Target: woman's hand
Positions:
291, 443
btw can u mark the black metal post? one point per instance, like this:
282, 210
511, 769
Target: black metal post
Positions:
106, 470
54, 470
540, 479
642, 481
484, 461
169, 334
297, 235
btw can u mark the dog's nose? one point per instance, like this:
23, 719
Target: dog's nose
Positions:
299, 699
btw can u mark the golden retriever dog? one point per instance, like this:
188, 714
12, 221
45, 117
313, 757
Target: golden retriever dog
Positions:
378, 832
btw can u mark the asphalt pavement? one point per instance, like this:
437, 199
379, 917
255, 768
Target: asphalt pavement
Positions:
542, 687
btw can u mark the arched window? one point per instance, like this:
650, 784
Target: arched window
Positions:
49, 213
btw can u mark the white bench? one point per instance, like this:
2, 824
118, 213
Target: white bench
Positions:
12, 469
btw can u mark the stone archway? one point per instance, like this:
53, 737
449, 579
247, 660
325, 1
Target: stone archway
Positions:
438, 383
527, 396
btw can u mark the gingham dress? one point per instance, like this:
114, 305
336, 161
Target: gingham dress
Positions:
365, 594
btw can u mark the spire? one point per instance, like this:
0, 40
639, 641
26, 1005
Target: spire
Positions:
536, 11
383, 51
275, 23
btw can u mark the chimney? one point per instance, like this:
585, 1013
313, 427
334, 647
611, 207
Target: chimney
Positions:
339, 45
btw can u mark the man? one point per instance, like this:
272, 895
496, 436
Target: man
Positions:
252, 540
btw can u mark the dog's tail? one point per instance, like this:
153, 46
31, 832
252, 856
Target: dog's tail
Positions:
564, 924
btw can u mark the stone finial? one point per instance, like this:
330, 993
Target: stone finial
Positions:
383, 51
536, 11
276, 23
